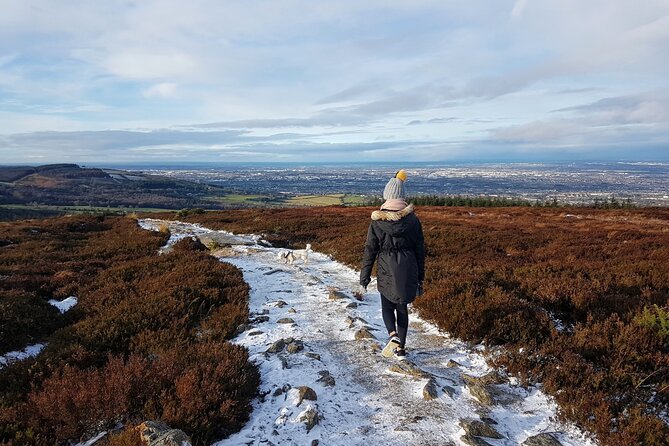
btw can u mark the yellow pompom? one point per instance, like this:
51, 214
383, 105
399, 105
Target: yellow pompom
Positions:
401, 174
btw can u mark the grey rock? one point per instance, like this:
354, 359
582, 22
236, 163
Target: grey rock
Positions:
295, 347
478, 428
261, 319
310, 418
157, 433
352, 305
335, 294
256, 333
241, 329
430, 390
482, 393
284, 363
410, 369
276, 347
286, 320
274, 271
474, 441
280, 304
450, 391
277, 392
292, 310
487, 379
306, 393
545, 439
364, 333
326, 378
314, 442
452, 364
312, 355
288, 340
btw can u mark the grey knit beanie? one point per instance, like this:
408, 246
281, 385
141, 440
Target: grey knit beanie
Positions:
394, 190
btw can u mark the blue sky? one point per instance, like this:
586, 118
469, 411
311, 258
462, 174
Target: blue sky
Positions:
309, 81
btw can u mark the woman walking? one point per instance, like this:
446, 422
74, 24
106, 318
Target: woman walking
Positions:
395, 241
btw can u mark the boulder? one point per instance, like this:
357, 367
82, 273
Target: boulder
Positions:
335, 294
364, 333
280, 304
157, 433
430, 390
286, 320
450, 391
410, 369
545, 439
326, 378
487, 379
277, 346
309, 417
474, 441
305, 393
352, 305
312, 355
479, 429
292, 310
482, 393
295, 347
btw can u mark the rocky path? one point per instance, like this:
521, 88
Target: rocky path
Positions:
325, 382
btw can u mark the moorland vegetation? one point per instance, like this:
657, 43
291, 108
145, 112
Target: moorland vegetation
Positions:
148, 339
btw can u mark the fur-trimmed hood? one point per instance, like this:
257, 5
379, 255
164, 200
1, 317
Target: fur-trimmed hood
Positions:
392, 215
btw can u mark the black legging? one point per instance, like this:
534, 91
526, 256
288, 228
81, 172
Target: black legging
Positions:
388, 309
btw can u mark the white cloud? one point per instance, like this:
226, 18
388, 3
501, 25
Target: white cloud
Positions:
161, 90
518, 8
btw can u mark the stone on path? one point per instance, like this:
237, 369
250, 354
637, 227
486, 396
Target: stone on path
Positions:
364, 333
452, 364
295, 346
474, 441
430, 390
545, 439
335, 294
479, 429
410, 369
489, 378
309, 417
326, 378
313, 355
277, 346
286, 320
352, 305
305, 393
157, 433
482, 394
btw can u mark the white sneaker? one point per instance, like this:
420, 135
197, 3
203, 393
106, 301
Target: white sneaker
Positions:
390, 347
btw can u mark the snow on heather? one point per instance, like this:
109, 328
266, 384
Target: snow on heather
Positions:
28, 352
65, 304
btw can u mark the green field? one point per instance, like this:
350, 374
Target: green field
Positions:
325, 200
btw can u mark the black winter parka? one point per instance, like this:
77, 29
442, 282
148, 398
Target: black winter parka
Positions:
395, 240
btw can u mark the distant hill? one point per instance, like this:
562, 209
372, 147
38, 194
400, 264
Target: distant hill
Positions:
74, 185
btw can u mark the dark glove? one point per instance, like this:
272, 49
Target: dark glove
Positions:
364, 283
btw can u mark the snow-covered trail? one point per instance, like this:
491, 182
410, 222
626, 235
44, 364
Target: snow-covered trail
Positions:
358, 398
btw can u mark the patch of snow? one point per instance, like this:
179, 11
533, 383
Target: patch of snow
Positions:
28, 352
65, 304
93, 440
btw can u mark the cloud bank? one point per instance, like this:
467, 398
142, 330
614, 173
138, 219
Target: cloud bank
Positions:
299, 81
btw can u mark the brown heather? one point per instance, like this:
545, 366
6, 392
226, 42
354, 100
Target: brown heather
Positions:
148, 339
497, 276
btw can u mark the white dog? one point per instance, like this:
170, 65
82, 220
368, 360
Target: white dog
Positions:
286, 257
302, 254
